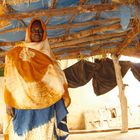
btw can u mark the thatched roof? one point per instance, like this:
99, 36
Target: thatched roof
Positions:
75, 28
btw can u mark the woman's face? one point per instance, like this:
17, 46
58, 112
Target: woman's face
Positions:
36, 34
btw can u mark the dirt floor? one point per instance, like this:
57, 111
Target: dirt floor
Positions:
115, 135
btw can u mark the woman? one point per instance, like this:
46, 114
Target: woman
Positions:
36, 91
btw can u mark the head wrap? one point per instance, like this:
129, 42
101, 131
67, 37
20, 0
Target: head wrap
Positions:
28, 31
42, 46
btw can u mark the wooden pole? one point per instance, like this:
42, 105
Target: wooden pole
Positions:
123, 99
130, 36
60, 11
65, 26
58, 42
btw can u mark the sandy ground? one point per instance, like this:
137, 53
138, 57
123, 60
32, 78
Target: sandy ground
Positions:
115, 135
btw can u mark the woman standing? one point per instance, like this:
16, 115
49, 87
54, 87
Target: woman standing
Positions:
36, 91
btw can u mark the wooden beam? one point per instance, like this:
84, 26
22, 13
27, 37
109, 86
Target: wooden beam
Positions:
77, 54
69, 22
85, 33
90, 44
69, 25
94, 38
124, 2
95, 48
2, 65
91, 39
97, 16
81, 34
81, 2
11, 43
53, 3
82, 40
67, 30
17, 29
101, 49
11, 2
88, 23
131, 34
60, 11
47, 20
132, 51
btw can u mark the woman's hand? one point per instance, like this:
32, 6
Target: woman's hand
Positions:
10, 110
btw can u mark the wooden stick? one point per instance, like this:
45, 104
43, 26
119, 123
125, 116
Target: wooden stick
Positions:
131, 34
93, 48
96, 50
60, 11
82, 2
91, 39
69, 25
88, 23
85, 33
13, 2
90, 44
70, 22
53, 3
2, 65
13, 30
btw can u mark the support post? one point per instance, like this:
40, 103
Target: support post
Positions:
123, 99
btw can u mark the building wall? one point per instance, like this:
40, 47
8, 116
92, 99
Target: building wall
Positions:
88, 111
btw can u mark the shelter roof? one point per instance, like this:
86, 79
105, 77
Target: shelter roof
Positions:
75, 27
